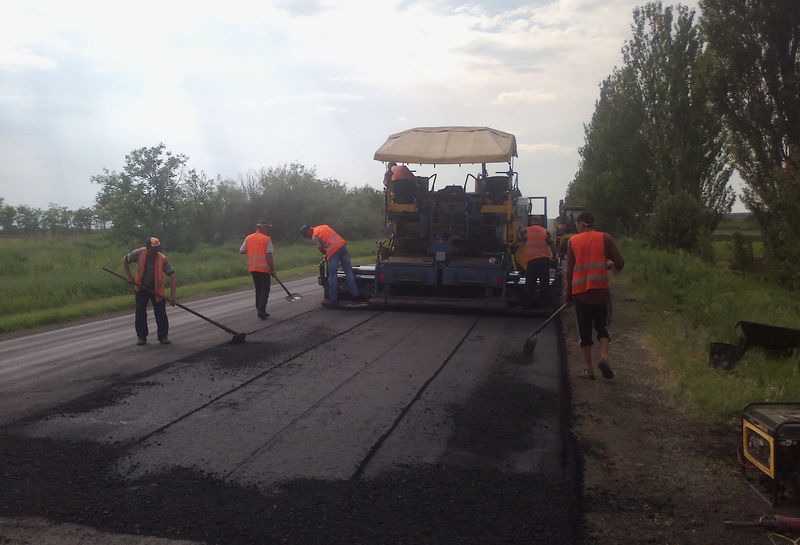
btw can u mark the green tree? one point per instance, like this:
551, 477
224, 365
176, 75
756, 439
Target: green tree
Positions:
83, 218
753, 46
654, 133
291, 195
364, 212
27, 219
685, 135
614, 179
678, 221
120, 204
230, 202
145, 197
56, 219
202, 208
7, 215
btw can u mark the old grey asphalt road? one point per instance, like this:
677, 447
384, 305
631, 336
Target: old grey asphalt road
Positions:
40, 370
326, 426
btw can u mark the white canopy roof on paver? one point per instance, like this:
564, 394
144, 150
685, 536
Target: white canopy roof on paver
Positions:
449, 145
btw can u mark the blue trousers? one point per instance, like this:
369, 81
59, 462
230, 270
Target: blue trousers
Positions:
341, 257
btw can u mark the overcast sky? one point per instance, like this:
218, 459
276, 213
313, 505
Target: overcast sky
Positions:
237, 85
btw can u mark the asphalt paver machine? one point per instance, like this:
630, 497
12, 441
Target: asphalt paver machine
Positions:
454, 245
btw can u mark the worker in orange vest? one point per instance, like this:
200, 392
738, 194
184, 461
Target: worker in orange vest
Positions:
334, 248
258, 247
396, 172
151, 267
590, 254
539, 250
401, 183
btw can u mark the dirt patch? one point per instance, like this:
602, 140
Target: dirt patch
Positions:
653, 472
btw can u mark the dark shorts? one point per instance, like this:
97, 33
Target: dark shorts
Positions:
592, 316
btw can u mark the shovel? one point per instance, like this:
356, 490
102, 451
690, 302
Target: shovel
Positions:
530, 343
238, 338
291, 297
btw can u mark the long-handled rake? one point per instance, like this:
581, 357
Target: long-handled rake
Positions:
292, 297
238, 338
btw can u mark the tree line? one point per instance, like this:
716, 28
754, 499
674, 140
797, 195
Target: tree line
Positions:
695, 100
156, 193
55, 218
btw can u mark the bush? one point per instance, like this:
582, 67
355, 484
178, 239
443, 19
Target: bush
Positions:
678, 222
741, 253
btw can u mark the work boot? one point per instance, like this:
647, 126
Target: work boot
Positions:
165, 340
141, 341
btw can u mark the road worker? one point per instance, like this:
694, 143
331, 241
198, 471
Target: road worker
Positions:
258, 248
590, 254
539, 250
401, 183
396, 172
334, 248
151, 267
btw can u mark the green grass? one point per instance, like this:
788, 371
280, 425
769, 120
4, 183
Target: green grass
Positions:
51, 279
744, 224
721, 239
691, 304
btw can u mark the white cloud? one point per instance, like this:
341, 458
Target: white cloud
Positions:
545, 148
523, 95
245, 84
24, 59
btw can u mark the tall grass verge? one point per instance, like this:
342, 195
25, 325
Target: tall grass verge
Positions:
691, 304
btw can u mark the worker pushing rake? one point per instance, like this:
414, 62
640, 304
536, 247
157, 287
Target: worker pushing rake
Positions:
238, 338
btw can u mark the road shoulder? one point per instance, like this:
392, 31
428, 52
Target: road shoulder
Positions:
652, 471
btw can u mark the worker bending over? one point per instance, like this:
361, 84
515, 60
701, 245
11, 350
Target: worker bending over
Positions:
334, 248
539, 250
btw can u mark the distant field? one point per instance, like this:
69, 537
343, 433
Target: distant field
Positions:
53, 279
722, 236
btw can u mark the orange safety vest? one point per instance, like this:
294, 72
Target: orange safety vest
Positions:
591, 265
536, 247
331, 242
401, 173
158, 284
257, 245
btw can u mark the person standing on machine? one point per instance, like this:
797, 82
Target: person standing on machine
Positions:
258, 247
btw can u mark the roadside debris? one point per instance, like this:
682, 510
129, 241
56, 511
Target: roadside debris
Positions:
779, 341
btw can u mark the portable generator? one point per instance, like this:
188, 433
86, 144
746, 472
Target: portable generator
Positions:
771, 443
